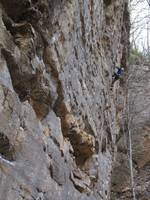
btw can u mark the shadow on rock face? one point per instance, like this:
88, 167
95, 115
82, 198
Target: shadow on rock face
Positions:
33, 87
15, 8
30, 10
107, 2
6, 149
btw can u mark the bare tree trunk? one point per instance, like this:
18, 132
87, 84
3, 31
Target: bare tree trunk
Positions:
147, 29
129, 140
131, 160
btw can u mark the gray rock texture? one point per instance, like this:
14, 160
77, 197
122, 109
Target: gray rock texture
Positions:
59, 116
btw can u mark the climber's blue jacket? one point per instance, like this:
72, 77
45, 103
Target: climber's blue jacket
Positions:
119, 71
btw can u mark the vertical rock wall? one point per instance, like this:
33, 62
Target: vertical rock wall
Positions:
59, 116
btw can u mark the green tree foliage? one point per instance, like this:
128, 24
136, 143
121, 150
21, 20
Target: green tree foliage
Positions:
136, 57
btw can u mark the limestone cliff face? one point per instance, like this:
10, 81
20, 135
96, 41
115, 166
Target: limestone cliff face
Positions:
59, 117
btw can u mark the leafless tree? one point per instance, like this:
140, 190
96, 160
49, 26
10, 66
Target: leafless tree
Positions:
140, 17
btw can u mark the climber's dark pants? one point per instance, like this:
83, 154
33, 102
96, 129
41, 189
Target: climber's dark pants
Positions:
115, 78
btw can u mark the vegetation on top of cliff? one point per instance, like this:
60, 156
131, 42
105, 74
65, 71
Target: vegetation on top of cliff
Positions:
136, 57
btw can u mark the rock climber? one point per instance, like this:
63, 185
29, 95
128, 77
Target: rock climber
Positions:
119, 71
